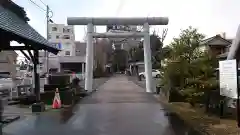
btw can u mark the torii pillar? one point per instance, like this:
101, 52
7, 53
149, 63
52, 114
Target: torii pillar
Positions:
90, 22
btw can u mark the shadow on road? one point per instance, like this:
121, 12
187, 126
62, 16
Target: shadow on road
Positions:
66, 114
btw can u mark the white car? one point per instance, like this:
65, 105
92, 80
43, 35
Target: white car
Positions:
155, 74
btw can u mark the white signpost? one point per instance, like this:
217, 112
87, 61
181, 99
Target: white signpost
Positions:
228, 78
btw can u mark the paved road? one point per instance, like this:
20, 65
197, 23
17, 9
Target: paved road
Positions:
96, 82
142, 83
119, 107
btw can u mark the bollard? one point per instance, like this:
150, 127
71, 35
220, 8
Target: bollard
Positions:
158, 89
139, 78
221, 113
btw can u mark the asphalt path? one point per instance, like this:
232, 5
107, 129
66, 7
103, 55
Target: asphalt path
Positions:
119, 107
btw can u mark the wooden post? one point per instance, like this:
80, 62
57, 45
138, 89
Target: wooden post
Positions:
36, 76
238, 94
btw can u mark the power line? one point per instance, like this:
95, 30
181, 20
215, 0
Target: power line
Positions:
50, 11
43, 3
37, 5
121, 4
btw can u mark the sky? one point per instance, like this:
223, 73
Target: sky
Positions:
210, 17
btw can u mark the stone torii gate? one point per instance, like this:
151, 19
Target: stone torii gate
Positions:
117, 21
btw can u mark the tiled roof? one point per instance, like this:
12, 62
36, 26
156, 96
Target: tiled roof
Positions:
12, 23
230, 40
206, 41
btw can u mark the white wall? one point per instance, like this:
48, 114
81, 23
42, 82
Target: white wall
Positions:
7, 62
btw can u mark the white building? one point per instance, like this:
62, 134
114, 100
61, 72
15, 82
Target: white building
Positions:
63, 38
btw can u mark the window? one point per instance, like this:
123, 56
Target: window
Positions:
66, 37
57, 37
5, 75
128, 28
54, 28
67, 53
40, 66
66, 30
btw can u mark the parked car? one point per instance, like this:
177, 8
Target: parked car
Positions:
155, 74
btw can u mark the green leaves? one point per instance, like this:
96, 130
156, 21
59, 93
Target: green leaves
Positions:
189, 69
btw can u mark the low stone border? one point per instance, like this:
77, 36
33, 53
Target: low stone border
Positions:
206, 125
9, 119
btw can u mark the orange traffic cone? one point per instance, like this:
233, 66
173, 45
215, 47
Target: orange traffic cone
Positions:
56, 101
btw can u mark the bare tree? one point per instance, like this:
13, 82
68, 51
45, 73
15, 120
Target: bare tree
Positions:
102, 49
164, 34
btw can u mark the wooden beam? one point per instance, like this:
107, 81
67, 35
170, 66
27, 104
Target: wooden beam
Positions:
16, 48
25, 55
31, 55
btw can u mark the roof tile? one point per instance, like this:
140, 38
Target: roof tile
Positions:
12, 23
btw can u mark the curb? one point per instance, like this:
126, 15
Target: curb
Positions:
167, 105
9, 119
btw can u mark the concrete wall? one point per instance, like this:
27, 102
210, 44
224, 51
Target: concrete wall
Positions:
80, 48
55, 62
7, 62
72, 59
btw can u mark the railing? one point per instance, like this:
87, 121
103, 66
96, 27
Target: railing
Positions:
19, 91
24, 89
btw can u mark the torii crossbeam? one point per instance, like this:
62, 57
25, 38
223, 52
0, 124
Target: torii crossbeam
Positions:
117, 21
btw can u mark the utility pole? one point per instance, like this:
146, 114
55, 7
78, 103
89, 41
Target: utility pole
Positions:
46, 52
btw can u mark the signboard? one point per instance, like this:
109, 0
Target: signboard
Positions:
228, 78
119, 27
57, 45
